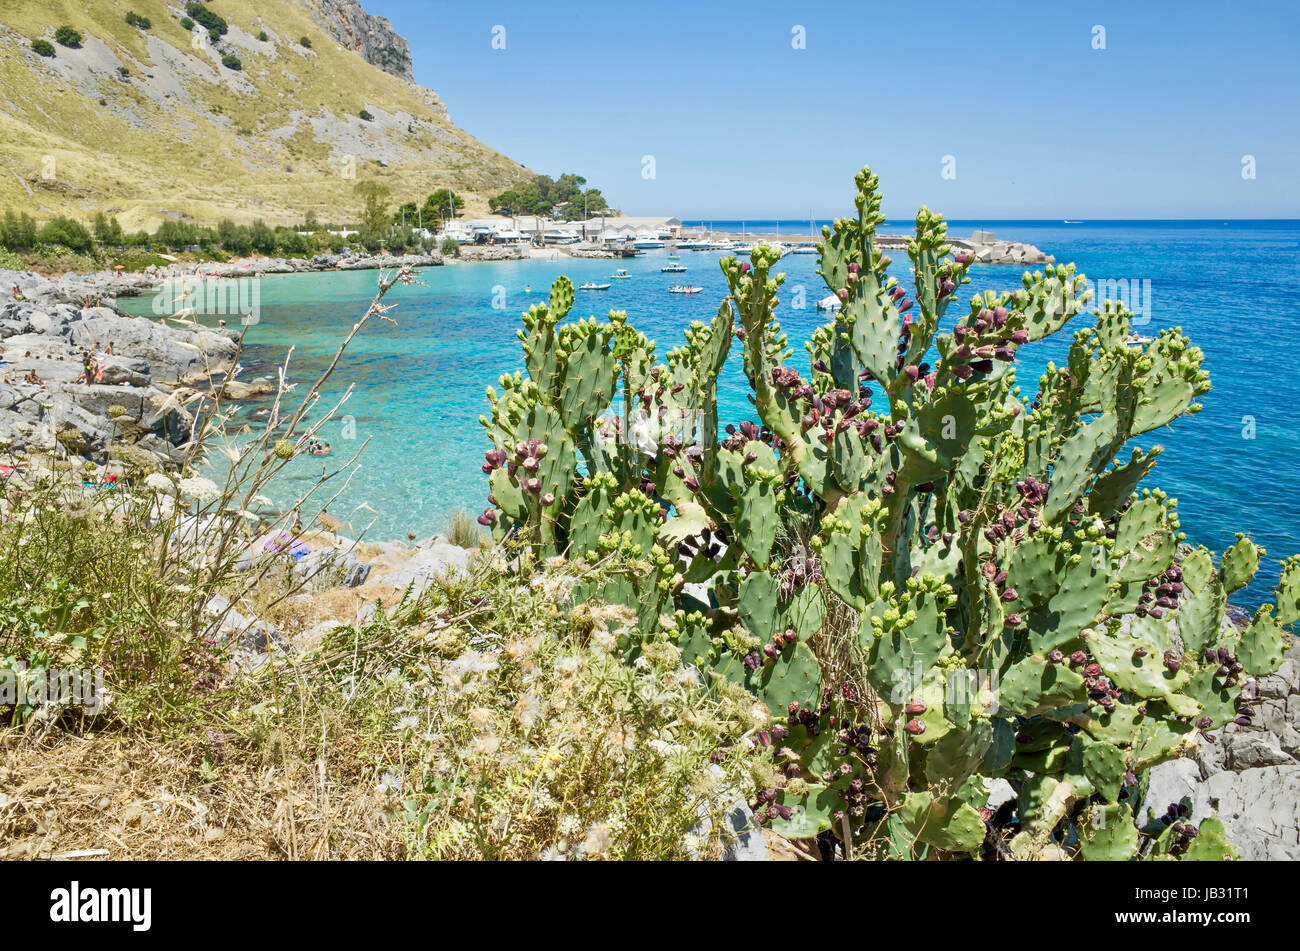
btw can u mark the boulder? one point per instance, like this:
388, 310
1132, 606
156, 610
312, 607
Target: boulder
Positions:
330, 567
432, 559
173, 353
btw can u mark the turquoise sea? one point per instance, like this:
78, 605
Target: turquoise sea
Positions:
419, 382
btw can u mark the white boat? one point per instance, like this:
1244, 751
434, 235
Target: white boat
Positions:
742, 249
561, 237
593, 286
673, 269
829, 303
684, 289
804, 249
694, 244
620, 275
648, 242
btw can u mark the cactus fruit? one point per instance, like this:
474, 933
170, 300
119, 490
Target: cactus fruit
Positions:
1011, 588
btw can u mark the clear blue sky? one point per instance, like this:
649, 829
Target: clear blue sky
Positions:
741, 124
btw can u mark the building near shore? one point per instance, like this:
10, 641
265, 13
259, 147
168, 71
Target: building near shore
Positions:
609, 231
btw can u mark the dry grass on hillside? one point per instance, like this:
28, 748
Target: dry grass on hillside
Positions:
184, 135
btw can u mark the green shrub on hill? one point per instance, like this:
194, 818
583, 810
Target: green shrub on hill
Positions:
305, 41
365, 114
187, 24
231, 61
43, 47
67, 36
134, 19
66, 232
213, 22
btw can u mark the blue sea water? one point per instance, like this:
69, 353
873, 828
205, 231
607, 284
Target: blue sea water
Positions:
419, 382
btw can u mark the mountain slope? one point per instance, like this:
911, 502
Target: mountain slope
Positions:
185, 135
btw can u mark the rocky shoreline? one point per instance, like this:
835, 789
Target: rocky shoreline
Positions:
126, 410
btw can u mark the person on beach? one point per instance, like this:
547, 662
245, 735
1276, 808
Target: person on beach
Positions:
33, 378
18, 295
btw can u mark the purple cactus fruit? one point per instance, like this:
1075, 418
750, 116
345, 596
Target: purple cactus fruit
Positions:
854, 267
913, 373
842, 293
915, 727
905, 305
999, 316
692, 483
1078, 658
744, 267
496, 457
1013, 620
1005, 354
915, 708
548, 499
1056, 656
1242, 721
1020, 336
961, 257
1010, 594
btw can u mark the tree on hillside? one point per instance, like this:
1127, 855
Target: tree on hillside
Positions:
67, 36
374, 213
106, 230
565, 197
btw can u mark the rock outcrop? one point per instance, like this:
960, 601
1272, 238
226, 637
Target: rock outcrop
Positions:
1250, 776
128, 410
371, 36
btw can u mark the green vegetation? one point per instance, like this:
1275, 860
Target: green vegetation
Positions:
105, 241
450, 248
364, 114
187, 24
463, 531
927, 578
213, 22
481, 719
440, 206
305, 41
43, 47
231, 61
134, 19
67, 36
261, 35
564, 198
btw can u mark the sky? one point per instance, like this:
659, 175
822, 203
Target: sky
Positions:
994, 110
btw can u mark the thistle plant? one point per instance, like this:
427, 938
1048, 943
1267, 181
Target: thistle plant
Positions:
1018, 604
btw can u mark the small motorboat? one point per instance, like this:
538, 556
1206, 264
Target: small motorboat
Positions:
620, 275
673, 268
593, 286
684, 289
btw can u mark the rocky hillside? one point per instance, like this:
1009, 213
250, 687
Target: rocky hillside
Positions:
160, 122
371, 36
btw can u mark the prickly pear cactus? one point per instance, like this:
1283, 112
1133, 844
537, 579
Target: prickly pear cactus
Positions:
929, 578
